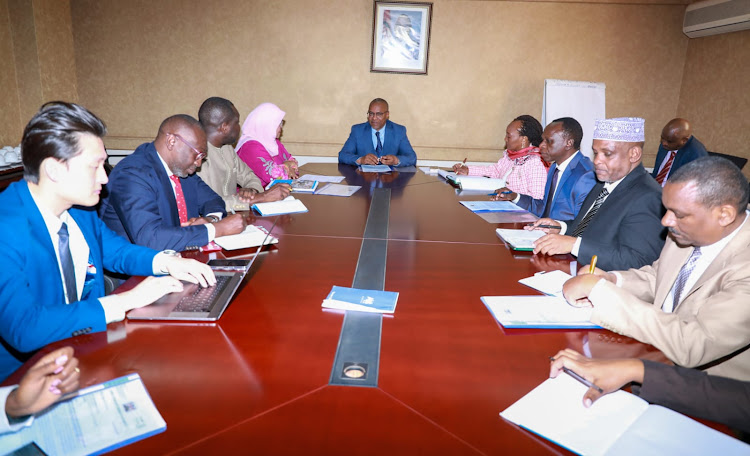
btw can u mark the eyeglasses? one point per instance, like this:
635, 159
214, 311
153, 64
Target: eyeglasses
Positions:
377, 115
198, 154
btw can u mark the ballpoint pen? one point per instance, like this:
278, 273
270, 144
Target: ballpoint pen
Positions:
507, 192
579, 378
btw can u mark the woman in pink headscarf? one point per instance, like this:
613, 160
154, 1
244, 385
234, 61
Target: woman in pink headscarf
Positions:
260, 147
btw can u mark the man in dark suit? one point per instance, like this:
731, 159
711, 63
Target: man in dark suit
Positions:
378, 140
678, 147
570, 178
620, 220
155, 199
55, 248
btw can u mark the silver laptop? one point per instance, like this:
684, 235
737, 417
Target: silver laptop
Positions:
194, 303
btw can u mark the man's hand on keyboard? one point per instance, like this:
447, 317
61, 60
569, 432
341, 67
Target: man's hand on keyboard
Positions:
148, 291
191, 271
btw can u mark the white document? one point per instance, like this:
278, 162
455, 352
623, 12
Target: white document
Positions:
550, 283
375, 168
288, 205
537, 312
97, 419
338, 190
477, 182
619, 423
429, 171
252, 236
321, 178
520, 239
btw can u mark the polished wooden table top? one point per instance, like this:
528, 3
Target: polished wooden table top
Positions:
257, 381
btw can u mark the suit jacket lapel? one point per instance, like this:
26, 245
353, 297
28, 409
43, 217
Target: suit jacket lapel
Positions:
389, 143
165, 183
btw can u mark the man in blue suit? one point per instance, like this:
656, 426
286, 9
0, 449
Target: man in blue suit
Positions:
570, 178
378, 140
678, 147
55, 248
155, 199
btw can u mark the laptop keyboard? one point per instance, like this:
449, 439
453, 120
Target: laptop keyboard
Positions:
202, 299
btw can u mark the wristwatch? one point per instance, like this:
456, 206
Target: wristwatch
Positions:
212, 218
173, 253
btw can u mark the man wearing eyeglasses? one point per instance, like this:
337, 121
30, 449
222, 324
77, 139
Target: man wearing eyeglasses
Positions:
378, 141
155, 199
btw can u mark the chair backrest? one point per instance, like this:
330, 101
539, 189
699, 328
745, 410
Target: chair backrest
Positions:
739, 161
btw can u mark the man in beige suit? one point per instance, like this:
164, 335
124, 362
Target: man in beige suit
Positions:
223, 171
693, 303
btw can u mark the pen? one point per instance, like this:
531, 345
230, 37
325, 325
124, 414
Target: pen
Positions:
544, 226
464, 163
507, 192
592, 268
579, 378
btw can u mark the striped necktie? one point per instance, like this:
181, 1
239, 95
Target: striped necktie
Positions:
684, 275
591, 213
662, 176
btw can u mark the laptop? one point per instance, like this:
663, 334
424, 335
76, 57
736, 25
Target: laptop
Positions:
194, 303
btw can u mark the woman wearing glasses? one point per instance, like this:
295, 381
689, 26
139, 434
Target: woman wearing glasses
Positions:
260, 147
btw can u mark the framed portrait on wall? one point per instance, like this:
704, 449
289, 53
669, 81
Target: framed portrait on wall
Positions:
401, 37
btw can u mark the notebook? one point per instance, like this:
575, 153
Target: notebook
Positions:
194, 303
549, 312
288, 205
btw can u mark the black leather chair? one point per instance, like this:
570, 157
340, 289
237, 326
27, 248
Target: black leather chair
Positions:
739, 161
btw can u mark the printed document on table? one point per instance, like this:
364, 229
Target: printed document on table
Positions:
617, 424
375, 168
549, 283
288, 205
321, 178
338, 190
537, 312
97, 419
491, 206
252, 236
520, 239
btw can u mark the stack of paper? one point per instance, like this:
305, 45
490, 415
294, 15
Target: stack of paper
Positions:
96, 420
361, 300
375, 168
537, 312
288, 205
253, 236
616, 424
520, 239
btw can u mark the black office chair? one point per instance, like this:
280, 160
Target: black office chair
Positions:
739, 161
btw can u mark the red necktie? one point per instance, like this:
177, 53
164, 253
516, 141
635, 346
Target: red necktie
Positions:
665, 169
181, 206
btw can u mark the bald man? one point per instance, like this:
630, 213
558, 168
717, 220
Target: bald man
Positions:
155, 199
678, 147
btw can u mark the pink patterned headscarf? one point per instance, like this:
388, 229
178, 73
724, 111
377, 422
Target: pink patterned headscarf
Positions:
261, 126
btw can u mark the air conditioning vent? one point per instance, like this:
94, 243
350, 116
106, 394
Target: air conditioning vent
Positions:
713, 17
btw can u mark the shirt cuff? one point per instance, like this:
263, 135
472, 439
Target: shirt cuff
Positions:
159, 265
576, 247
114, 308
517, 199
211, 231
619, 278
598, 292
563, 226
5, 420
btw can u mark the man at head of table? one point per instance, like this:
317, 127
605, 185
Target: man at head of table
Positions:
223, 170
619, 220
692, 304
55, 248
378, 141
156, 199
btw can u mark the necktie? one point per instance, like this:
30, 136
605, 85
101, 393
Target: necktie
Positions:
683, 276
379, 148
551, 196
665, 169
66, 261
590, 214
181, 206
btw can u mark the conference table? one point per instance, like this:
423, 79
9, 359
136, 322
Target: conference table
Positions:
259, 380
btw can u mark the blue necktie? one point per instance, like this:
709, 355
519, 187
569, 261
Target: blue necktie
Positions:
379, 148
551, 195
66, 261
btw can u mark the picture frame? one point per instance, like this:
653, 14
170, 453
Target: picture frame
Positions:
400, 37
